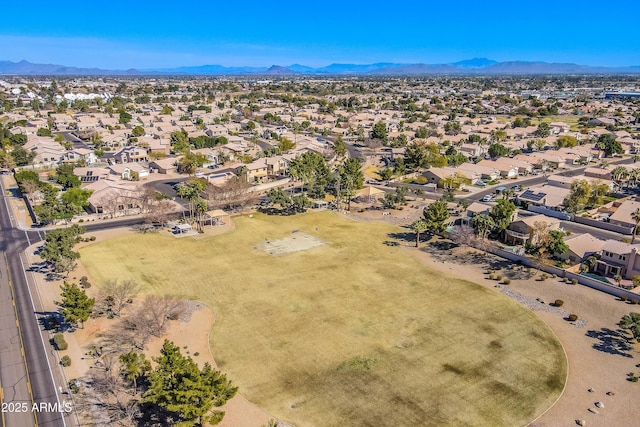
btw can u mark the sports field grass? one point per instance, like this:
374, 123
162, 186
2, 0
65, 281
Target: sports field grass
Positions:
353, 332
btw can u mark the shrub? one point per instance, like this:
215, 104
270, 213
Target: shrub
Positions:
574, 281
51, 323
558, 303
73, 387
84, 282
543, 277
65, 361
81, 220
492, 277
632, 377
498, 277
197, 353
634, 301
59, 341
92, 238
624, 298
572, 317
553, 276
506, 281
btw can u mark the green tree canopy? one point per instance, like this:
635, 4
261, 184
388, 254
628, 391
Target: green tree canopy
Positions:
137, 131
502, 214
608, 143
133, 366
340, 147
543, 131
66, 177
566, 141
379, 131
631, 323
76, 305
482, 225
185, 392
435, 216
498, 150
59, 243
557, 245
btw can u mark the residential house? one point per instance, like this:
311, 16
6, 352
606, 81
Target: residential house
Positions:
255, 171
211, 154
155, 145
131, 155
598, 173
47, 152
472, 150
164, 166
441, 176
129, 171
619, 258
557, 128
602, 121
80, 154
545, 196
623, 216
111, 198
87, 123
277, 166
91, 174
580, 247
529, 229
485, 172
506, 169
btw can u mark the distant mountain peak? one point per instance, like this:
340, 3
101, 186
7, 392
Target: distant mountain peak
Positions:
278, 70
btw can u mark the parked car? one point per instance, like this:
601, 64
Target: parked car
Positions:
487, 198
481, 184
516, 188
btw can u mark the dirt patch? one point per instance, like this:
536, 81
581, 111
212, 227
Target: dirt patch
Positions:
298, 241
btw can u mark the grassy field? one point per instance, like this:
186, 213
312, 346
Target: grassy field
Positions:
353, 332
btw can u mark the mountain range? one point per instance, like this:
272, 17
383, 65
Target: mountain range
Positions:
475, 66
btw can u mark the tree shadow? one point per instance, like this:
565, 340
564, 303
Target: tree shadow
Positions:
403, 236
280, 212
39, 267
612, 342
50, 320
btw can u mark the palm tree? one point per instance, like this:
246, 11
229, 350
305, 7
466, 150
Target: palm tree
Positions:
483, 223
418, 226
634, 174
618, 174
636, 217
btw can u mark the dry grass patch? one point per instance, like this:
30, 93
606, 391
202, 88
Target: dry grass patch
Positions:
353, 331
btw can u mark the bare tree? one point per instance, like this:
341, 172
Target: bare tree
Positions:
30, 188
463, 235
161, 212
108, 393
154, 314
120, 293
236, 192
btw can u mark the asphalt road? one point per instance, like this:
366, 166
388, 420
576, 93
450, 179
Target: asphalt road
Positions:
16, 370
77, 142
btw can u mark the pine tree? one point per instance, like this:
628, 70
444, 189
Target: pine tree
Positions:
188, 394
76, 305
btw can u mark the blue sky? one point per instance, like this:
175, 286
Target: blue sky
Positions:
139, 34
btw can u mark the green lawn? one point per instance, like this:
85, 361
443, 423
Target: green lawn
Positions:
354, 332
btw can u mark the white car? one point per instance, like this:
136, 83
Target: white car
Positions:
487, 198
